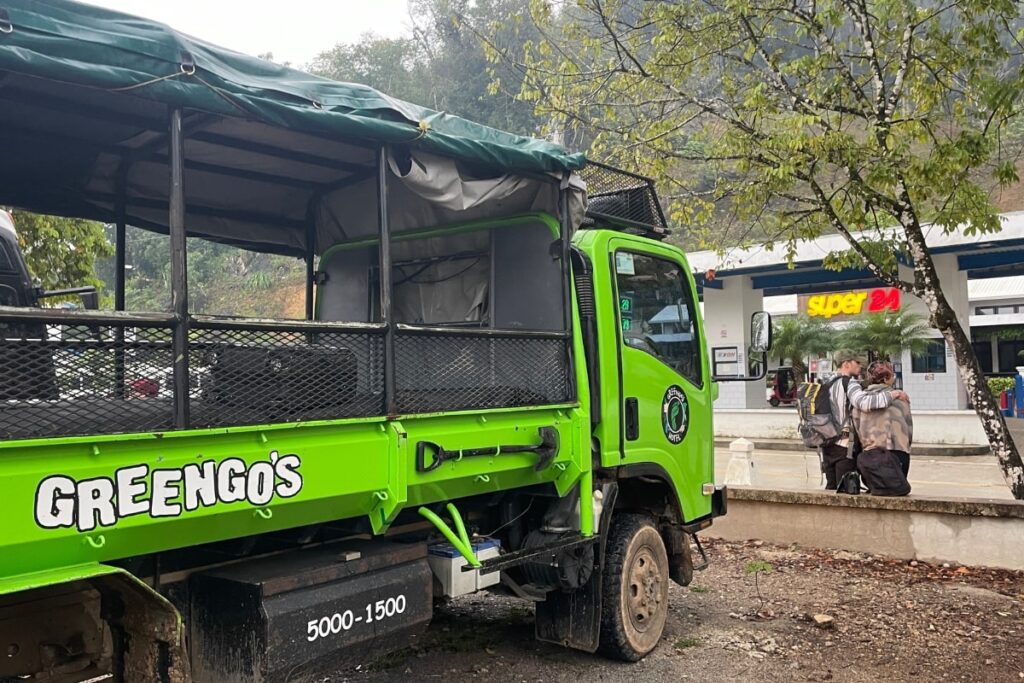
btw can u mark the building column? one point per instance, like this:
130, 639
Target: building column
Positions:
940, 391
727, 314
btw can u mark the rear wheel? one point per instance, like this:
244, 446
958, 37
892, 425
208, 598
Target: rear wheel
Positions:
636, 578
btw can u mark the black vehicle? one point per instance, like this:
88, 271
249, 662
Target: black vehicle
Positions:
16, 285
39, 380
15, 282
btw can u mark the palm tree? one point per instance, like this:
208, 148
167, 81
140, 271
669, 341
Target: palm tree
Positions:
794, 339
888, 334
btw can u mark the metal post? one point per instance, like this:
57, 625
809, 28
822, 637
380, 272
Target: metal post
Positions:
119, 276
566, 241
385, 282
179, 269
120, 247
310, 255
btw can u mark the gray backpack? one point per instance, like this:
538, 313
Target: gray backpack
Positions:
818, 424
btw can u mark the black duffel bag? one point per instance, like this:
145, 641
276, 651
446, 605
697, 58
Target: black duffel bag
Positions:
881, 472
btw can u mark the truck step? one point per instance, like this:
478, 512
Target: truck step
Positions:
538, 553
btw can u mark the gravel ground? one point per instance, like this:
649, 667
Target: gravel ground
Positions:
891, 620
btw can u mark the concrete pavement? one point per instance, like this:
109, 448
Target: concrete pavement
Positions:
935, 476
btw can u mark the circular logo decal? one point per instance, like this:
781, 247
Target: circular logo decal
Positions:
675, 414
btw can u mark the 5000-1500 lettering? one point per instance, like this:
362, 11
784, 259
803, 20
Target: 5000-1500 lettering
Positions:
343, 621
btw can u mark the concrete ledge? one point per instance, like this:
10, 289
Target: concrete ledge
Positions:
921, 450
969, 531
970, 507
930, 426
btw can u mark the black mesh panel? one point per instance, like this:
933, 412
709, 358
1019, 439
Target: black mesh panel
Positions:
63, 380
93, 378
437, 372
614, 194
265, 376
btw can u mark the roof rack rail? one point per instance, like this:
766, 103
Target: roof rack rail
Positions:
622, 200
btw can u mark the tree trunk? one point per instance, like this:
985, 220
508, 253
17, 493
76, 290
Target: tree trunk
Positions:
992, 420
928, 288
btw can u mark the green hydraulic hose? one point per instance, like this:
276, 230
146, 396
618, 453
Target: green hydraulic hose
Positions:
459, 526
462, 544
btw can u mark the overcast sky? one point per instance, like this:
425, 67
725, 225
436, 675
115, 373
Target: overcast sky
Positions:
294, 30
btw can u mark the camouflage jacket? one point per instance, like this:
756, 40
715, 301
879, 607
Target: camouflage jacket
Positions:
891, 428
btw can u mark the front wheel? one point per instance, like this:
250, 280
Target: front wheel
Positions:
774, 402
636, 577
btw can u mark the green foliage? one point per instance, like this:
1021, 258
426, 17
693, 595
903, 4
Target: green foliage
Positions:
775, 122
61, 252
999, 384
684, 643
445, 64
259, 282
888, 334
796, 338
395, 66
223, 280
758, 567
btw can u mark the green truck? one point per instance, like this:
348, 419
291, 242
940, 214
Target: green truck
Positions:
501, 381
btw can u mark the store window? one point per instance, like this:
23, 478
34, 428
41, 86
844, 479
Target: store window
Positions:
932, 360
657, 313
1008, 309
983, 350
1009, 354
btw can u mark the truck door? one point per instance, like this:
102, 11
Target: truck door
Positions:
665, 403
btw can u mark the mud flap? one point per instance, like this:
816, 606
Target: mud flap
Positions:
680, 555
146, 629
574, 619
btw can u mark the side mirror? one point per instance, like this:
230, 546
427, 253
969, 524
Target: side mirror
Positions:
90, 300
88, 295
761, 332
760, 344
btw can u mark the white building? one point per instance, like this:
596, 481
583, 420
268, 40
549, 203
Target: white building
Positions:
982, 278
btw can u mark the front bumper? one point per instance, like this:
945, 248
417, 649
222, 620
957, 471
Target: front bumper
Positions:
719, 501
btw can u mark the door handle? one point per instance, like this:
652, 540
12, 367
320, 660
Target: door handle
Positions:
632, 419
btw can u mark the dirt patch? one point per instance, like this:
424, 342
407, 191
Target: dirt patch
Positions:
891, 620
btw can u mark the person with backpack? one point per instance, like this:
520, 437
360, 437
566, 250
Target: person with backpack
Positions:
885, 436
826, 415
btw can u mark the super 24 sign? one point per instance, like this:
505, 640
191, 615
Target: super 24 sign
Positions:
853, 303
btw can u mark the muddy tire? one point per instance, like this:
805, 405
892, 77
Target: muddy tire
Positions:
636, 577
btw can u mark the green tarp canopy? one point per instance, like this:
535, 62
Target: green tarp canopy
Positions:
84, 96
92, 46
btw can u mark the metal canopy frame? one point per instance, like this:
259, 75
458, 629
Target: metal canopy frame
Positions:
167, 147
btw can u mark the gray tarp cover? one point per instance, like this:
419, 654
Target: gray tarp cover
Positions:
431, 191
